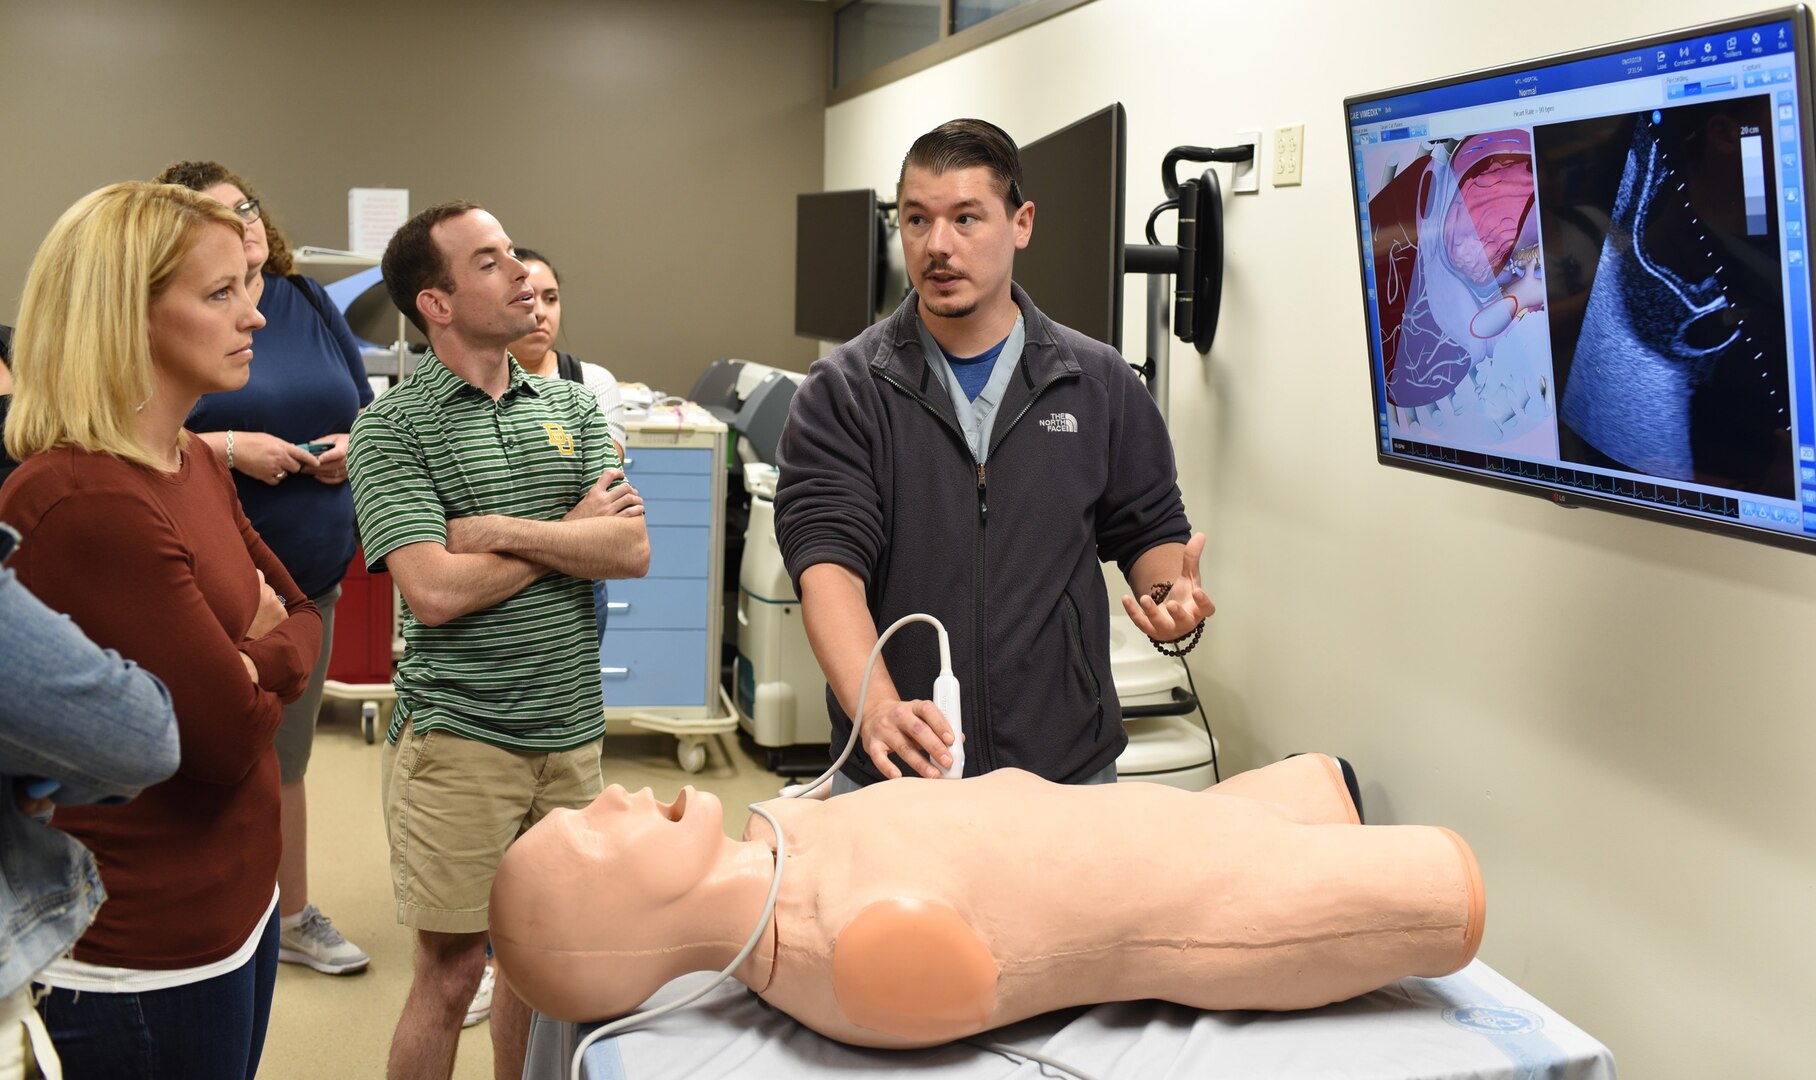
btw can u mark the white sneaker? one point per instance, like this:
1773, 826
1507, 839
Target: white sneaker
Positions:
314, 941
482, 1000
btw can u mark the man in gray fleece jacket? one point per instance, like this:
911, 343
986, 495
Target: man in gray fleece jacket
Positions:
969, 458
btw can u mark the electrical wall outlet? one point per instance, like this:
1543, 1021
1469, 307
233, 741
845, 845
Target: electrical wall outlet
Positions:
1289, 155
1245, 176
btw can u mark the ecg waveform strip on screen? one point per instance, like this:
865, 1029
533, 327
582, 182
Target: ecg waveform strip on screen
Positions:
1563, 477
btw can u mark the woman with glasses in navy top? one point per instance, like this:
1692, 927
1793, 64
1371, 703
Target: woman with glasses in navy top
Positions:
283, 436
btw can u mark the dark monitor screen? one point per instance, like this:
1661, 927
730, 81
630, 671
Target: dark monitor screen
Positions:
1587, 276
838, 240
1072, 267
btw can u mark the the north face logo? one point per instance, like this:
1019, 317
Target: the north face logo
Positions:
1061, 421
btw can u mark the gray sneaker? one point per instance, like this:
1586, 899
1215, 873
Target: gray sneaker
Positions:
315, 941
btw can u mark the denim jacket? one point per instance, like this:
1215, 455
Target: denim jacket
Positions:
100, 726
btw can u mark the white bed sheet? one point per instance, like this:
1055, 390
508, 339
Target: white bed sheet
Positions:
1474, 1024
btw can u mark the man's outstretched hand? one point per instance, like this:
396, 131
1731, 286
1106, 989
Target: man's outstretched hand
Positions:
1185, 606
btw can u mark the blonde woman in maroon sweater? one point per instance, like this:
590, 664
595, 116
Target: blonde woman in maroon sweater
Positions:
135, 306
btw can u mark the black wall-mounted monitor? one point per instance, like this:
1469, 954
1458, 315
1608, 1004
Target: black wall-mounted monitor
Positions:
1587, 277
838, 263
1072, 268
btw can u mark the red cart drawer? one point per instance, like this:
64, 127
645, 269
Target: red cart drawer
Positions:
362, 627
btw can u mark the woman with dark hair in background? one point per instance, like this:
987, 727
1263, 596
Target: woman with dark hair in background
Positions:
536, 352
284, 437
136, 306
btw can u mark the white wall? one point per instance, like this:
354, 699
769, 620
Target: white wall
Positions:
1616, 714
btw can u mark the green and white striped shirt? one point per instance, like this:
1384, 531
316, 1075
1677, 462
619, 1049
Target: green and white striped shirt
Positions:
522, 674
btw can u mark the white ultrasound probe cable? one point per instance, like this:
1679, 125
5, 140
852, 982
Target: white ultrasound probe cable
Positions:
946, 696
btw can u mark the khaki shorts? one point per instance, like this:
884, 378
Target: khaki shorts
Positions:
452, 807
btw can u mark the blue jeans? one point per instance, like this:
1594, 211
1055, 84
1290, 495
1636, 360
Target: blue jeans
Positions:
211, 1030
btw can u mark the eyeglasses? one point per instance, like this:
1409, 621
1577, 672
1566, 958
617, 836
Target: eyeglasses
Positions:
247, 211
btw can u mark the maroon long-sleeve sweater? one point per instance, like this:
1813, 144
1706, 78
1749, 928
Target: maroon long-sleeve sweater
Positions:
161, 568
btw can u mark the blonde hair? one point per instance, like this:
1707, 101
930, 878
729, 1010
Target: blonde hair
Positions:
82, 350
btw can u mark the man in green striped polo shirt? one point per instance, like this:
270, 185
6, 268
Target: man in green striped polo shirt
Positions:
494, 498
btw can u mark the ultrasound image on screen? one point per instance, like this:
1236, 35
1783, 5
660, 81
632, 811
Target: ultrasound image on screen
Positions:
1665, 294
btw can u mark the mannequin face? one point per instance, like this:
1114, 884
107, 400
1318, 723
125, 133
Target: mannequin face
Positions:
666, 849
593, 910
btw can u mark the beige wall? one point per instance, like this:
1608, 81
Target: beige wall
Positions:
653, 149
1616, 714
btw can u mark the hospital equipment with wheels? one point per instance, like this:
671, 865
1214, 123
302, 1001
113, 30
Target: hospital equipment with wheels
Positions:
659, 646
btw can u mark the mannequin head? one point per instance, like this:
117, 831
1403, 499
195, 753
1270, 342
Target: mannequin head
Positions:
593, 910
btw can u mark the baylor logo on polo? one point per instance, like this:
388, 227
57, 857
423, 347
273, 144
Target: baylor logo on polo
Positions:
1061, 421
560, 439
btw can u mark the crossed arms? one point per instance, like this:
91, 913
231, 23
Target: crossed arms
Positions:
490, 558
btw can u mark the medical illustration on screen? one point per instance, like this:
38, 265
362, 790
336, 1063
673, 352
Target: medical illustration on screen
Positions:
1460, 283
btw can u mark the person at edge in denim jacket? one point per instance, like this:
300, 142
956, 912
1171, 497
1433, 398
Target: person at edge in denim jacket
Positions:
77, 725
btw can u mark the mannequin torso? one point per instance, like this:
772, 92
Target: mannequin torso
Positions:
915, 912
1132, 891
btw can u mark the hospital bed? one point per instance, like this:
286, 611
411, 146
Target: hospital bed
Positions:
1473, 1024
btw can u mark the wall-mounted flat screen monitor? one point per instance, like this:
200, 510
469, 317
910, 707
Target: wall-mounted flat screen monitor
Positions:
838, 276
1072, 268
1587, 277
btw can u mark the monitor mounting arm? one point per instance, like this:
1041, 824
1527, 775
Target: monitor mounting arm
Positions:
1196, 259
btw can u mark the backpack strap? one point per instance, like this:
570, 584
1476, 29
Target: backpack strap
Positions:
568, 368
309, 295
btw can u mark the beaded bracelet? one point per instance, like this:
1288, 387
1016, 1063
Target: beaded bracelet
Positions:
1161, 646
1159, 594
230, 448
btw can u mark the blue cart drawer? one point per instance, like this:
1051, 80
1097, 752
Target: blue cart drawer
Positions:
660, 487
646, 459
678, 551
677, 512
652, 667
656, 604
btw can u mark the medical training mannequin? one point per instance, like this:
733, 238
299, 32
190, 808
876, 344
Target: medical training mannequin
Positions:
915, 912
